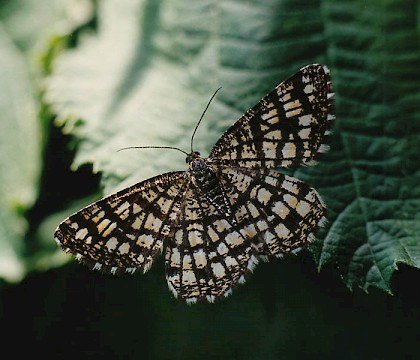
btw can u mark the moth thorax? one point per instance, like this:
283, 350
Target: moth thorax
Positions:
201, 171
208, 185
197, 165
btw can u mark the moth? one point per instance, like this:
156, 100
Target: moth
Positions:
217, 219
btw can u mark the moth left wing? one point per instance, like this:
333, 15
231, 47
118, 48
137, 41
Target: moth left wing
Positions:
209, 253
125, 231
286, 128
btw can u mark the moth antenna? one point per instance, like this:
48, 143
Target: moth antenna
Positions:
153, 147
201, 118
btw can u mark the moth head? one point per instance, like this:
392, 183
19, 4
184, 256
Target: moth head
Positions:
192, 156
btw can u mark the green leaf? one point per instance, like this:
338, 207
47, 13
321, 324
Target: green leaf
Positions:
19, 156
49, 254
373, 183
25, 26
146, 75
30, 23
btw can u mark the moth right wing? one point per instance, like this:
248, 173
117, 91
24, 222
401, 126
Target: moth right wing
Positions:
280, 213
286, 128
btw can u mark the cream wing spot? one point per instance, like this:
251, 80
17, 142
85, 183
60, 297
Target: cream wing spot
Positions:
124, 206
253, 210
195, 238
263, 196
292, 105
187, 262
294, 112
290, 187
290, 200
80, 234
222, 249
109, 229
124, 248
188, 278
275, 134
152, 223
112, 243
271, 180
282, 231
234, 239
102, 225
145, 241
309, 89
218, 270
179, 237
200, 259
285, 98
74, 225
280, 209
99, 216
249, 231
306, 120
304, 133
136, 223
289, 150
269, 150
213, 234
303, 208
136, 208
262, 225
271, 114
164, 205
231, 262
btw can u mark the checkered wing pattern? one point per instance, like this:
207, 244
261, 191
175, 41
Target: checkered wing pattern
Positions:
286, 128
279, 213
225, 212
210, 253
125, 231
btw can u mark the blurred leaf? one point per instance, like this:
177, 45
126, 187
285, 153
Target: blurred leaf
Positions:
24, 26
49, 254
147, 74
19, 156
31, 23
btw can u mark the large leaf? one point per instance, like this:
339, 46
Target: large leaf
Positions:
19, 156
24, 26
31, 23
146, 75
373, 186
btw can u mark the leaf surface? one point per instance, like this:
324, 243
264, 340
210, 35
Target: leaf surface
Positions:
146, 75
19, 156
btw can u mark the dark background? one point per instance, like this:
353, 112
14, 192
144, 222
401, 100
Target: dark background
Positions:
285, 311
